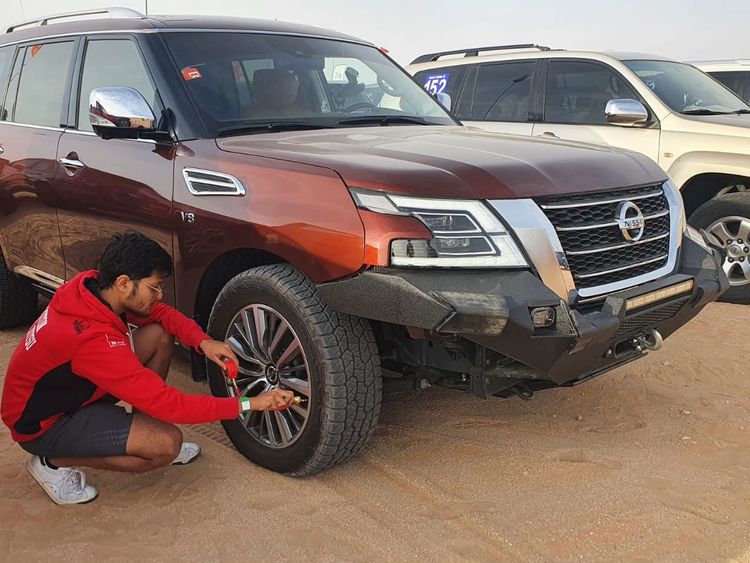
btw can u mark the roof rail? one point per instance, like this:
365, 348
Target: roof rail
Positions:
432, 57
111, 12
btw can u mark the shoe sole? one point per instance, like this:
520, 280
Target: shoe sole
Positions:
53, 499
188, 462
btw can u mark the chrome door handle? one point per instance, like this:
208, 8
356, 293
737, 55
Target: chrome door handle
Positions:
70, 163
2, 150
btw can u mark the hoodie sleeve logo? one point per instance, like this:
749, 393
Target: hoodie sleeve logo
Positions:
40, 323
114, 342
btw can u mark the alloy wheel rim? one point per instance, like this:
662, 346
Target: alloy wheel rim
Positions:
733, 233
271, 356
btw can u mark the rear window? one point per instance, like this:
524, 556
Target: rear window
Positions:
503, 92
6, 59
42, 74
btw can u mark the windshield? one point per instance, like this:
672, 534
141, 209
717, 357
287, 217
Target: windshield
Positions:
685, 89
248, 82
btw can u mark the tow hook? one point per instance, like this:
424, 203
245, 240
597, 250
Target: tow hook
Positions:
652, 340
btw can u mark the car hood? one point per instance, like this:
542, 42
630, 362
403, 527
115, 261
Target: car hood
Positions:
455, 162
730, 125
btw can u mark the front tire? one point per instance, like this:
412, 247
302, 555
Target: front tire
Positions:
727, 218
285, 336
18, 300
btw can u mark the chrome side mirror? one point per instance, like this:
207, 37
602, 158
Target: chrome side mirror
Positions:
444, 99
625, 112
120, 112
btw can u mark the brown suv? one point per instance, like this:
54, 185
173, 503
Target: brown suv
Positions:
329, 218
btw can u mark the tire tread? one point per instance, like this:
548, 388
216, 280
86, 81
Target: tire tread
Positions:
349, 354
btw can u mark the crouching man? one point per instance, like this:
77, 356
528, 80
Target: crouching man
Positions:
79, 359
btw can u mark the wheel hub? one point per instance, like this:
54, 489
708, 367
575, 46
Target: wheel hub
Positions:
734, 235
734, 251
272, 375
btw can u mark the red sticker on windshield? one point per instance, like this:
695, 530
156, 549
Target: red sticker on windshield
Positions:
191, 73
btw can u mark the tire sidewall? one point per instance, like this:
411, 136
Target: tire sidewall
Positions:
242, 291
734, 204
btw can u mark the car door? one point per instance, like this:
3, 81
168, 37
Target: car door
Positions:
32, 124
502, 97
575, 95
117, 184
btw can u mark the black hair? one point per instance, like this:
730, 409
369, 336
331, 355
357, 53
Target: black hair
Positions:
134, 255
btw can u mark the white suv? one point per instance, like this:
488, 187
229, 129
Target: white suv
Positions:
691, 125
735, 75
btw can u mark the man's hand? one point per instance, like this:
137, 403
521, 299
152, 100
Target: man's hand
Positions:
275, 399
218, 352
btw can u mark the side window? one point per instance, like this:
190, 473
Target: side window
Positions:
42, 78
503, 92
738, 82
448, 80
746, 86
112, 62
6, 59
578, 92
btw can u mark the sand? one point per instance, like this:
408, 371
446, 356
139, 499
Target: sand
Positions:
649, 462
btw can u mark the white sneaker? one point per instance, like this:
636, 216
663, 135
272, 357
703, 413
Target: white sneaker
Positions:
188, 452
66, 485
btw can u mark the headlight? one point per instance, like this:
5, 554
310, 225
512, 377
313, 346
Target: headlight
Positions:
466, 233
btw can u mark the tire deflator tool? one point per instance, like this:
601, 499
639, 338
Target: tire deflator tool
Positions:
231, 371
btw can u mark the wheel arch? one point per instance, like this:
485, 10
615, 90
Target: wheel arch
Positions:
223, 269
703, 187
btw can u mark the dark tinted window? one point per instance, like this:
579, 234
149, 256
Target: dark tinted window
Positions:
738, 82
503, 92
42, 79
578, 92
112, 63
6, 59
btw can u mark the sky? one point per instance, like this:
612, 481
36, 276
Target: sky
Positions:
682, 29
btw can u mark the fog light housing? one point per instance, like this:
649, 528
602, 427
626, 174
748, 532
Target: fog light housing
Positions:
542, 317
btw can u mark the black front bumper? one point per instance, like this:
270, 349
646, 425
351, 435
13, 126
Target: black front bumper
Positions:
492, 309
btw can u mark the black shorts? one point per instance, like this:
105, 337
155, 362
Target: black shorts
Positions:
100, 429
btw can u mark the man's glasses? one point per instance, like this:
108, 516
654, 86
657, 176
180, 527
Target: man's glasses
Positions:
158, 290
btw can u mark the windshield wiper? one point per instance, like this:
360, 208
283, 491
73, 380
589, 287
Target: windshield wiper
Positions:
384, 120
741, 111
271, 127
705, 112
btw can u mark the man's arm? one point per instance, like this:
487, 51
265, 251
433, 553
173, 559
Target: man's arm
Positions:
117, 370
188, 332
175, 323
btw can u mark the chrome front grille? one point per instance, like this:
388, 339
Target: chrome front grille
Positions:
595, 244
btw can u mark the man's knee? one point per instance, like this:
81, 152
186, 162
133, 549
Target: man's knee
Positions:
152, 341
171, 445
164, 341
155, 441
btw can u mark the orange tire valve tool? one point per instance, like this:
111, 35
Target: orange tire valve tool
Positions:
230, 372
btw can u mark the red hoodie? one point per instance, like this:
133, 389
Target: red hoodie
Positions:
79, 350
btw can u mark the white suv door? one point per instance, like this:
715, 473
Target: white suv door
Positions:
576, 93
502, 97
